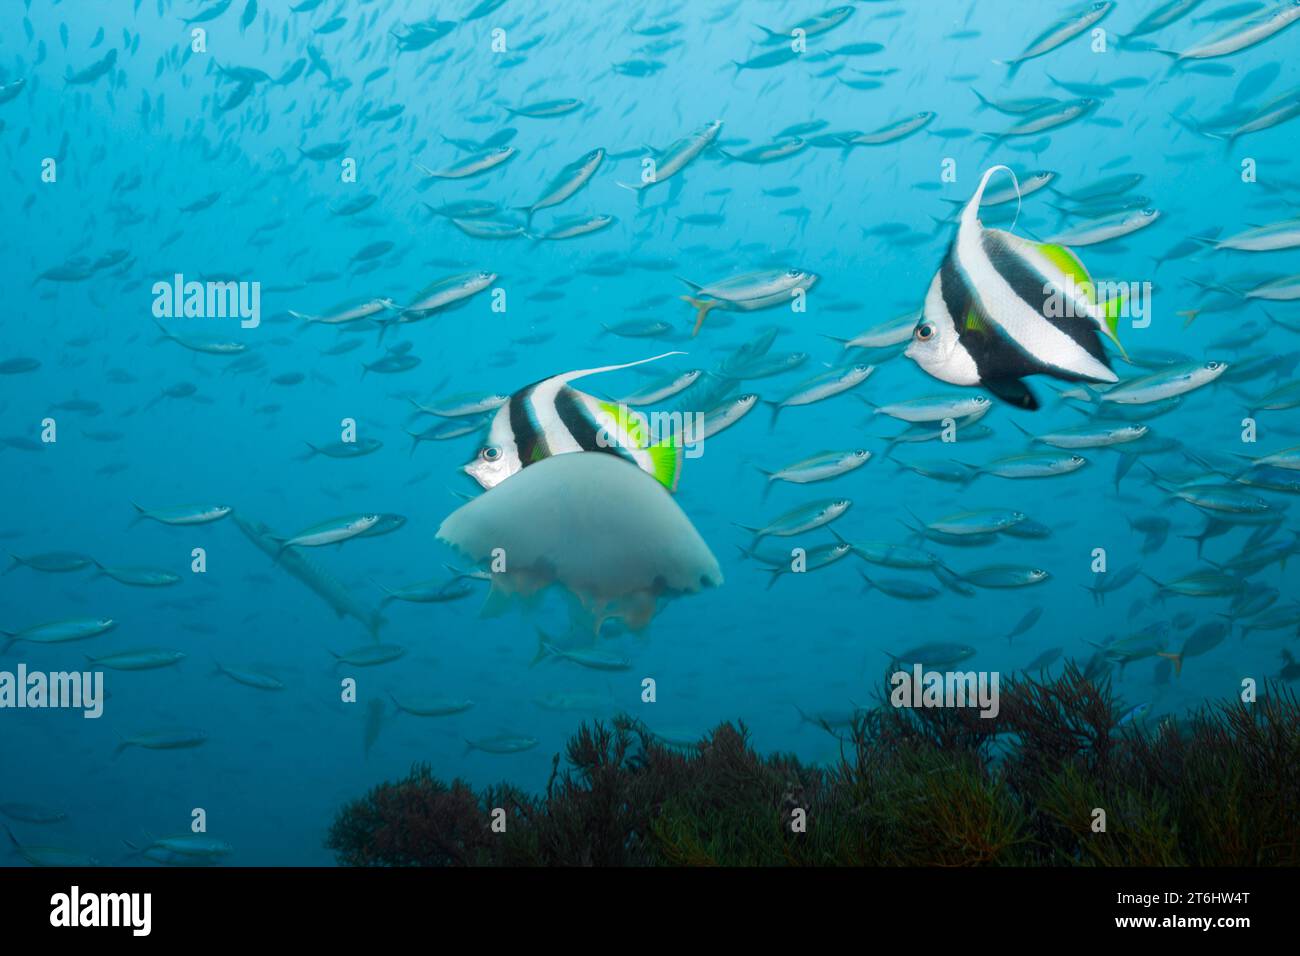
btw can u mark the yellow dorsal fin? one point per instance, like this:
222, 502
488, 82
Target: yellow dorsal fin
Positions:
666, 462
1065, 260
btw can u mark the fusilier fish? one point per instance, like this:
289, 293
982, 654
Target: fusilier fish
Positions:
1090, 436
813, 559
140, 577
502, 744
52, 562
824, 386
919, 410
749, 292
348, 312
567, 182
1245, 33
423, 706
723, 416
168, 740
1167, 383
249, 678
1005, 576
443, 294
801, 519
184, 516
892, 332
334, 531
473, 165
1033, 465
575, 226
935, 654
1106, 228
149, 658
819, 467
892, 132
370, 655
663, 389
1270, 238
58, 632
671, 161
1060, 33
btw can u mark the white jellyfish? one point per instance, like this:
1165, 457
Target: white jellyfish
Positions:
592, 524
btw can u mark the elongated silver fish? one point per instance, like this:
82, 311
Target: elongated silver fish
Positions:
348, 312
474, 165
567, 182
677, 157
58, 632
892, 132
339, 598
444, 294
820, 467
1270, 238
1107, 228
1251, 30
824, 386
1167, 383
815, 514
1059, 34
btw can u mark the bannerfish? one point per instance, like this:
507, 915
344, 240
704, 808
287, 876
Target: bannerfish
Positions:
1002, 308
549, 418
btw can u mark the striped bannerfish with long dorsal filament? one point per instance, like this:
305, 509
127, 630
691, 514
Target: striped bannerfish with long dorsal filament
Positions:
1002, 308
549, 418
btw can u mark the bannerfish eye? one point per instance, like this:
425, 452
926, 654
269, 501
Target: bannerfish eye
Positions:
924, 332
490, 453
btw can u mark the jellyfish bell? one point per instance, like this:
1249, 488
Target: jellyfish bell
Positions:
607, 534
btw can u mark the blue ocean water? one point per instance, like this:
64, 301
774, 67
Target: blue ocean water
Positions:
142, 420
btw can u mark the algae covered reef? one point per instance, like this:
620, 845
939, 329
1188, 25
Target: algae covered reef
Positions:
1057, 778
